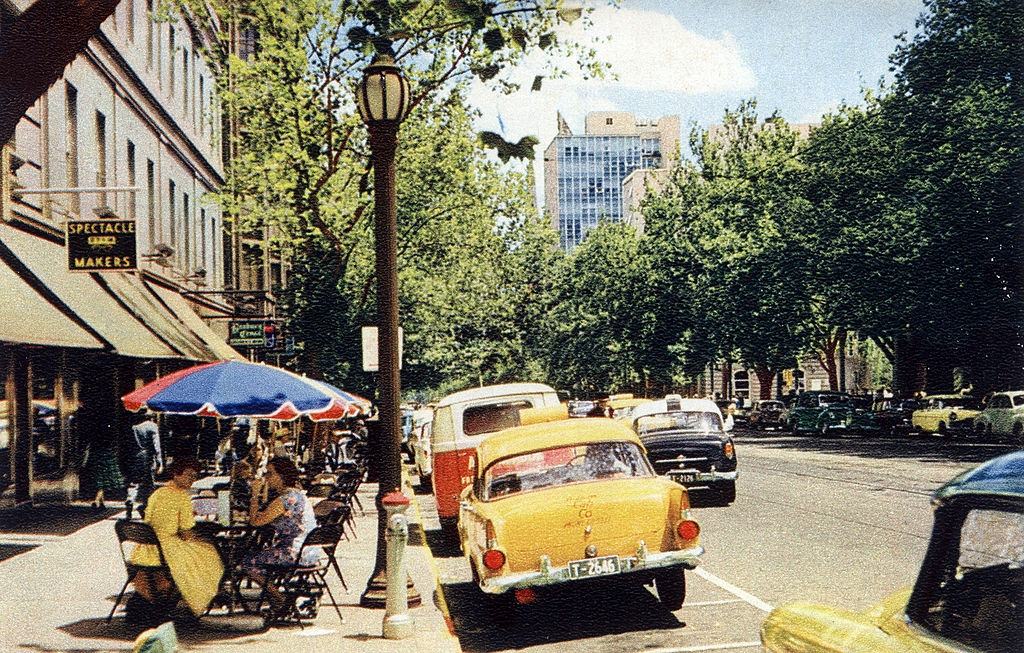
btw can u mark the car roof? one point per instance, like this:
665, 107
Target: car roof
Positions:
493, 392
549, 435
627, 403
949, 397
1010, 393
657, 406
1003, 475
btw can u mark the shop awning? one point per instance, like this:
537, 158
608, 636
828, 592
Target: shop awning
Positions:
47, 262
31, 318
181, 308
144, 305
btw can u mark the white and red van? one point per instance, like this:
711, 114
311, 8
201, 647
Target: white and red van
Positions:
461, 421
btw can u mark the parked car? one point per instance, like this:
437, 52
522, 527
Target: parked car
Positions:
623, 405
1003, 416
570, 500
462, 421
804, 416
766, 414
894, 415
852, 416
941, 412
419, 441
686, 441
580, 407
969, 595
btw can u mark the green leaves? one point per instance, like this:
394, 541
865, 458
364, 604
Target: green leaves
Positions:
494, 40
523, 149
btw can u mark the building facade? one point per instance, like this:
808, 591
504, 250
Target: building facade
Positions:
583, 174
132, 130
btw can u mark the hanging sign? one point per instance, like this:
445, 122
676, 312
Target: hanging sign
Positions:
246, 334
101, 245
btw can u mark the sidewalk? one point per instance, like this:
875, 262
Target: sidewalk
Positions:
56, 596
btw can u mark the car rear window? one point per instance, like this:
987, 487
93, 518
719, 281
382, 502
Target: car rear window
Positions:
684, 420
562, 466
492, 417
1018, 400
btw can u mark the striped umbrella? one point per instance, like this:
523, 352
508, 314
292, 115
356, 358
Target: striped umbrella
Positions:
243, 389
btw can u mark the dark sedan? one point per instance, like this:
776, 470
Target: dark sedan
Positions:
686, 440
766, 414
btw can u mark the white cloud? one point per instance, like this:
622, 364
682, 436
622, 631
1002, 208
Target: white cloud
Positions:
652, 51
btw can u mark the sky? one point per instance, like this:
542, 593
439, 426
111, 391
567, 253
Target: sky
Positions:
695, 58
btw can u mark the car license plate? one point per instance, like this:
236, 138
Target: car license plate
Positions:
594, 567
688, 476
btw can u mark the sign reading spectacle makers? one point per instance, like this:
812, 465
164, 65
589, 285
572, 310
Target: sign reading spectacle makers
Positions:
101, 245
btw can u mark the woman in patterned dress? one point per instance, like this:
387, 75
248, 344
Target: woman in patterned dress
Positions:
289, 514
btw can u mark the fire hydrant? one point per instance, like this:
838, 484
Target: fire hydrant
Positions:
398, 623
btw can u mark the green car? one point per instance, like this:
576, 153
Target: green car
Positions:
853, 416
804, 417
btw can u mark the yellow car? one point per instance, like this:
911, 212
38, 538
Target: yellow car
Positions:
969, 596
570, 500
943, 411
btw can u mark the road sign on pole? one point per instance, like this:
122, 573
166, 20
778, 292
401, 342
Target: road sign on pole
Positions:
370, 348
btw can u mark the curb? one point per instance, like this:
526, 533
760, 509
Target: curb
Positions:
438, 594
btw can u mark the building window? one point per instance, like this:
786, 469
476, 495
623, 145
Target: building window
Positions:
186, 231
131, 180
185, 81
202, 104
71, 143
172, 218
149, 34
170, 63
202, 238
101, 154
607, 121
129, 7
151, 201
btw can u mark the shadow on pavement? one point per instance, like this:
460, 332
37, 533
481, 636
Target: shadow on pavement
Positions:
922, 448
221, 629
561, 614
11, 550
441, 545
52, 519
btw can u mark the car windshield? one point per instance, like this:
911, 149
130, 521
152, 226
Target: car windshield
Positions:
684, 420
564, 465
975, 600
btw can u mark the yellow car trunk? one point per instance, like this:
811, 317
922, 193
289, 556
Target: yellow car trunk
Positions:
562, 522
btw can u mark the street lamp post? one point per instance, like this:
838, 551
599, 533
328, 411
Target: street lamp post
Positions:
383, 100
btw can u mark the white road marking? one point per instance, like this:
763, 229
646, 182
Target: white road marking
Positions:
705, 647
693, 604
732, 589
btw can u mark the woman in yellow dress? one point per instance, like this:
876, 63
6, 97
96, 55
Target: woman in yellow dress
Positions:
195, 565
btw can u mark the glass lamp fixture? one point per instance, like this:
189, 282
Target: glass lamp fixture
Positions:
383, 93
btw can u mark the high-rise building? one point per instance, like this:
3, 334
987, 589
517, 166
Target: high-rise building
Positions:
583, 174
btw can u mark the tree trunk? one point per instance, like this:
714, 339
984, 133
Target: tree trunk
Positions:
727, 380
826, 353
909, 371
842, 360
765, 378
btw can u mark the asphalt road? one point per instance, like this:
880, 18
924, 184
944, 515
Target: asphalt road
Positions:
841, 521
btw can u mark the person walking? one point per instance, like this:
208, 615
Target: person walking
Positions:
146, 459
101, 461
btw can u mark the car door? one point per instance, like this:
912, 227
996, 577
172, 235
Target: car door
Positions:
1002, 419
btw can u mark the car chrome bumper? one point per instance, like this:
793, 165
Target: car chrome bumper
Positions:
548, 575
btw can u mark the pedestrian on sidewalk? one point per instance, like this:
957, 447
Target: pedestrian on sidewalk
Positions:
146, 458
195, 564
102, 467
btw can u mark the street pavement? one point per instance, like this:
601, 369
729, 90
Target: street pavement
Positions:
56, 591
842, 521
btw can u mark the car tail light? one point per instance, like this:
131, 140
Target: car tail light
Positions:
494, 559
688, 529
525, 595
728, 449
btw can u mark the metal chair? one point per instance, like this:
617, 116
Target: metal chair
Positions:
298, 582
136, 533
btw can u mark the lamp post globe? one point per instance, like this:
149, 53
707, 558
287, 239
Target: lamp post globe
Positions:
382, 97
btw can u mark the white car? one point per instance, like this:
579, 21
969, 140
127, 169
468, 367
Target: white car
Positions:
1003, 416
419, 442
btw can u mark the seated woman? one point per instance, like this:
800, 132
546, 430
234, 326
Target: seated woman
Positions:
195, 565
290, 515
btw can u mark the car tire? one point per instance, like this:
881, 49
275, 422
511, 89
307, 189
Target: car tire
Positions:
671, 586
725, 494
824, 432
425, 482
1018, 434
944, 431
980, 431
450, 530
